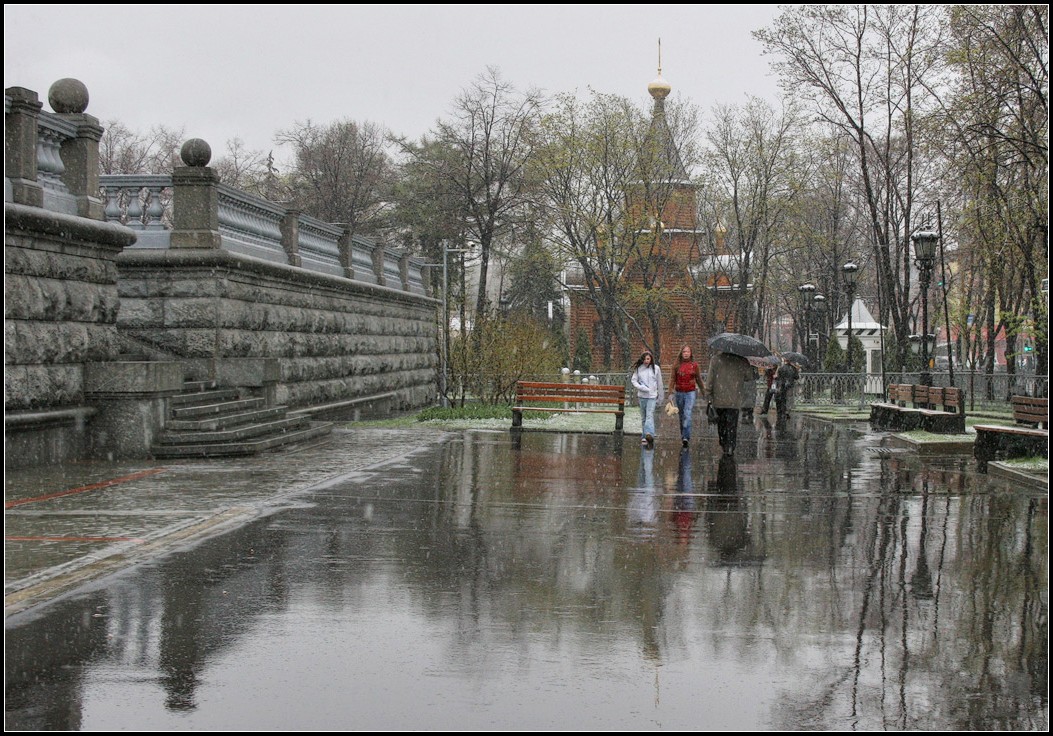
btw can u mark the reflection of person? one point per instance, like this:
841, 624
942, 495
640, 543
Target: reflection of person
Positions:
769, 392
785, 378
685, 502
647, 380
685, 382
643, 499
727, 523
727, 374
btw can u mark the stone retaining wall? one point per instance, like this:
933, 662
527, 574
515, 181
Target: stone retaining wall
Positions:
333, 339
60, 304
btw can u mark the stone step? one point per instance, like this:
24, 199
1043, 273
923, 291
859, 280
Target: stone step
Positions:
249, 447
226, 421
234, 434
206, 396
217, 409
189, 386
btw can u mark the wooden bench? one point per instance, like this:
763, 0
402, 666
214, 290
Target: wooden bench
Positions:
569, 397
996, 442
931, 408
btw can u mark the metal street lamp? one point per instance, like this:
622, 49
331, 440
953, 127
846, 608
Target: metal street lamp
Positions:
819, 301
806, 291
849, 274
925, 242
445, 352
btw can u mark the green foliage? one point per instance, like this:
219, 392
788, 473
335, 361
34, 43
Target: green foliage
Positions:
535, 283
468, 411
582, 352
835, 358
498, 352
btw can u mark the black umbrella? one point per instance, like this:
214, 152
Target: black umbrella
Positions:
766, 361
798, 358
736, 344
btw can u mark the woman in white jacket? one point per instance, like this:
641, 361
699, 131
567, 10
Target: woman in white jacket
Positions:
647, 380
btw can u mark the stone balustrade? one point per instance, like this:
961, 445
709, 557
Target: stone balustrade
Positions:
121, 287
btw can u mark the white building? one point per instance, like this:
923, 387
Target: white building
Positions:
871, 334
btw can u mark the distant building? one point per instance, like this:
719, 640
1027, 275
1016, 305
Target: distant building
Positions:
696, 275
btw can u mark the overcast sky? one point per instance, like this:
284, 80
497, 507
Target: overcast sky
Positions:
225, 71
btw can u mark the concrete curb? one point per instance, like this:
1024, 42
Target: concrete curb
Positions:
997, 469
948, 447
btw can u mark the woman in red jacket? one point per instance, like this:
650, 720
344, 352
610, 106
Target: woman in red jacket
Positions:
684, 385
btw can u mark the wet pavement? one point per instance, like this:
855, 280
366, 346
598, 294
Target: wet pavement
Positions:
392, 579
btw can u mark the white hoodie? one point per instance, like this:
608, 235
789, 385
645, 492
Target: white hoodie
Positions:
648, 383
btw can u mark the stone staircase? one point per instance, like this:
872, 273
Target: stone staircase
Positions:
208, 421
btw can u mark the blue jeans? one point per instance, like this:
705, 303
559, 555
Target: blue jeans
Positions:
685, 402
647, 415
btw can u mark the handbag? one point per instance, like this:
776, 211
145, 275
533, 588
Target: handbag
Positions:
670, 408
711, 413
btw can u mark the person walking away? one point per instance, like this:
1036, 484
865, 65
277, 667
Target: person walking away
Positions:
646, 378
785, 378
727, 374
749, 395
769, 392
684, 385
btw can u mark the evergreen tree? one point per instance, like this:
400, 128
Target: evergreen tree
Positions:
582, 352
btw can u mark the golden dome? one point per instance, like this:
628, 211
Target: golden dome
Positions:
659, 88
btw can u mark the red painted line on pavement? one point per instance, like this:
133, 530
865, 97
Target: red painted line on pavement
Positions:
82, 489
73, 539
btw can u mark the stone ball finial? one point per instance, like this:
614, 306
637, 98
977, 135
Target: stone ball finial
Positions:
196, 152
68, 95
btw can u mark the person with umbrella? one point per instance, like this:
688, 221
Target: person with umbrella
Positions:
685, 382
729, 369
727, 374
785, 378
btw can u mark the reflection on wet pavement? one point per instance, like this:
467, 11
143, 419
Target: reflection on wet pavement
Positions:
548, 581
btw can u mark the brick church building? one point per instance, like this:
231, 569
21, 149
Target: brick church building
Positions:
680, 281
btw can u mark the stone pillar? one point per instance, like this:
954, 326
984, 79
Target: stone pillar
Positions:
195, 199
290, 227
20, 146
80, 155
378, 263
404, 270
346, 250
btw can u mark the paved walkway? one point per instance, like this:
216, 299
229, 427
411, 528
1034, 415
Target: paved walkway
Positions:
65, 525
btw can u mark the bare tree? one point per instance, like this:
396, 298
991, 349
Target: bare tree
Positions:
489, 137
340, 172
124, 151
868, 71
753, 174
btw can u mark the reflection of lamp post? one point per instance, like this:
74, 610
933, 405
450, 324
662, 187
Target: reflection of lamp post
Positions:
820, 312
921, 582
849, 273
925, 256
806, 291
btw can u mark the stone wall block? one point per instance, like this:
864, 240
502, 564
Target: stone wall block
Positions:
202, 312
16, 386
141, 313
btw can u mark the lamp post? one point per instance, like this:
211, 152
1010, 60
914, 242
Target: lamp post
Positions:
925, 257
820, 312
445, 352
806, 291
849, 273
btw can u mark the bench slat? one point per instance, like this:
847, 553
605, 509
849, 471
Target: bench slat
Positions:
572, 399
